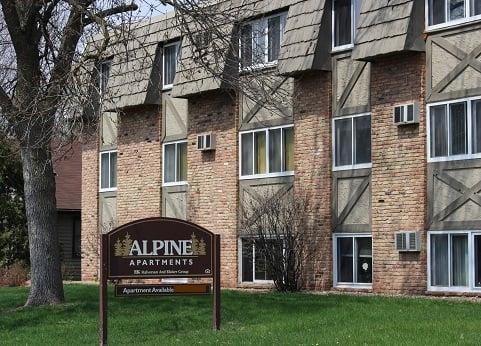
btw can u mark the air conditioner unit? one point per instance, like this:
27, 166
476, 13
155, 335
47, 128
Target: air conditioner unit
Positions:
206, 142
406, 114
407, 241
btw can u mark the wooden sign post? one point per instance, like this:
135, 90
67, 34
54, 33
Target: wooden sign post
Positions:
159, 248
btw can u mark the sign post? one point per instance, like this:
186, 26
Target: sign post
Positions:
159, 248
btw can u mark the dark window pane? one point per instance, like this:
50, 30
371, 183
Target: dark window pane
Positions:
246, 45
439, 131
398, 114
343, 142
477, 260
258, 42
247, 154
364, 259
113, 169
342, 22
362, 137
104, 76
458, 129
456, 9
260, 152
104, 171
182, 161
247, 258
169, 163
345, 253
439, 260
476, 120
274, 38
475, 7
437, 11
275, 150
260, 263
288, 149
460, 258
170, 61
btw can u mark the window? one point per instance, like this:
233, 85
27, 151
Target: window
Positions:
443, 13
455, 260
253, 263
260, 40
455, 130
104, 76
108, 171
353, 260
76, 238
267, 152
345, 16
352, 142
175, 163
171, 57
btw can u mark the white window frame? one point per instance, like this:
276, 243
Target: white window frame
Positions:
471, 262
173, 183
239, 262
467, 19
264, 22
470, 155
109, 152
353, 29
263, 175
353, 166
175, 43
336, 282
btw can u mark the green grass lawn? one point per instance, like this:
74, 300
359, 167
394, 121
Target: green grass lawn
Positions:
247, 318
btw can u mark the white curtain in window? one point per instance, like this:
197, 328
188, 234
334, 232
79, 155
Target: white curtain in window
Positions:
104, 171
246, 153
169, 163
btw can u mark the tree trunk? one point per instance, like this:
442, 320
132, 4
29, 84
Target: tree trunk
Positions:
39, 184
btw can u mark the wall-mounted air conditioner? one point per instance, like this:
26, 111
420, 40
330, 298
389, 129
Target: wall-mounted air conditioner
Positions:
406, 114
407, 241
206, 141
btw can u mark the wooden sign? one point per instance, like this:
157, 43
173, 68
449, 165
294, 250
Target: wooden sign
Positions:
161, 290
158, 248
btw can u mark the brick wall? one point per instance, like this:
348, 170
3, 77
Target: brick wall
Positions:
398, 174
139, 173
312, 153
212, 199
89, 243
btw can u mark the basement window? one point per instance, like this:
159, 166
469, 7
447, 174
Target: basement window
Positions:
260, 41
353, 260
108, 171
267, 152
345, 17
175, 163
454, 261
454, 130
442, 13
171, 55
352, 142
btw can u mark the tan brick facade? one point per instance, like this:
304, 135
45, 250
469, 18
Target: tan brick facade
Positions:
312, 156
212, 200
90, 215
398, 174
139, 165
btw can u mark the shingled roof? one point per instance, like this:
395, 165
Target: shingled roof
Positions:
302, 49
135, 76
388, 26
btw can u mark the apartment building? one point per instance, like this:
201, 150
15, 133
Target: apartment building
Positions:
382, 128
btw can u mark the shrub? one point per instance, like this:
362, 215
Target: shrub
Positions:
16, 274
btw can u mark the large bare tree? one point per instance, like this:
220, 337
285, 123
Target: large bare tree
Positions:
42, 54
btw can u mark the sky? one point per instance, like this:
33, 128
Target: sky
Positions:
151, 8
